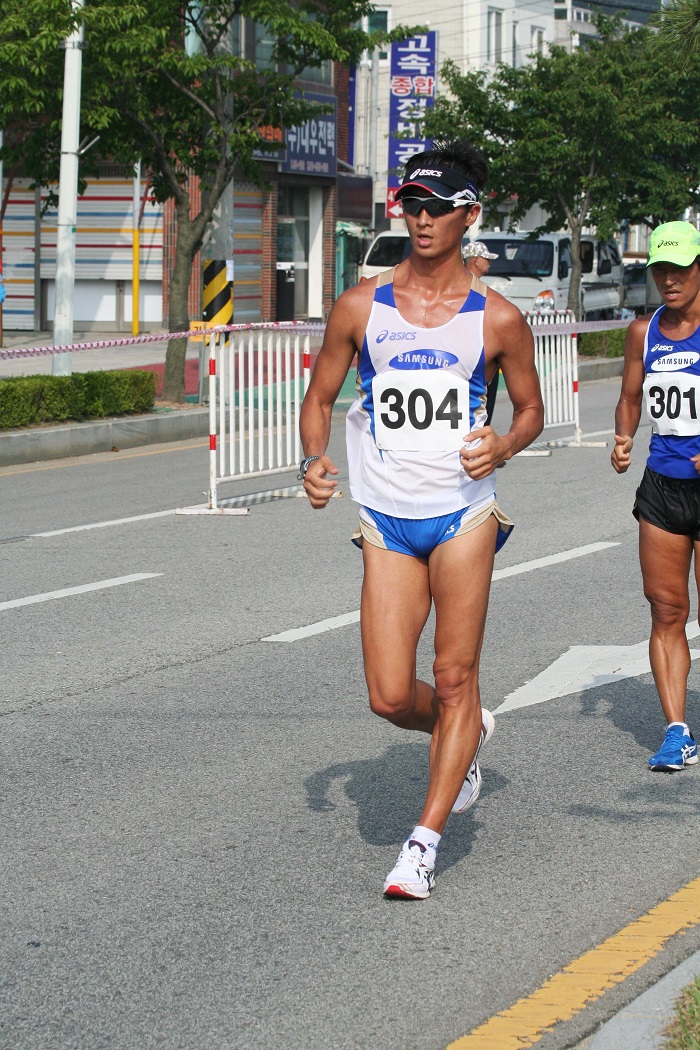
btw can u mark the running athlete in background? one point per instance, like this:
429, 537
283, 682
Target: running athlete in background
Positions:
428, 336
477, 259
662, 366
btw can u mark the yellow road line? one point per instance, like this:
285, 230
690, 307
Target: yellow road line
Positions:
588, 978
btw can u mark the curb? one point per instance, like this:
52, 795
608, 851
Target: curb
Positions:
34, 444
104, 435
642, 1023
599, 368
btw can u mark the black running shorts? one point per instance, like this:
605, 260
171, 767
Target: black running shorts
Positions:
672, 504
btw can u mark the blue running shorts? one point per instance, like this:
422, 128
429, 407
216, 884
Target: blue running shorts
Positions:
418, 537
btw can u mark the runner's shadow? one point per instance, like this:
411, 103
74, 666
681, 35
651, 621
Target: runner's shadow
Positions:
633, 707
388, 793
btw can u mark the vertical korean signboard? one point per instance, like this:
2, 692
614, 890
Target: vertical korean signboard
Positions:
412, 87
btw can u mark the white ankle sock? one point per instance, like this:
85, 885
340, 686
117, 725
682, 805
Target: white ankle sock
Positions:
684, 724
426, 837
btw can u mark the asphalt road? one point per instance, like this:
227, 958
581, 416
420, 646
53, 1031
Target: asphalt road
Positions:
196, 822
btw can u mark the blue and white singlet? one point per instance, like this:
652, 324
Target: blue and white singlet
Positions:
672, 396
420, 391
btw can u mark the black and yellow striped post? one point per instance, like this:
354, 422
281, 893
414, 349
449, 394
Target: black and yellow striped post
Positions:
217, 294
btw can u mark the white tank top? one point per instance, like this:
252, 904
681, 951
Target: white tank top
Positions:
420, 390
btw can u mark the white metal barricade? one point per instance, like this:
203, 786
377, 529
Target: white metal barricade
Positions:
258, 375
257, 380
556, 361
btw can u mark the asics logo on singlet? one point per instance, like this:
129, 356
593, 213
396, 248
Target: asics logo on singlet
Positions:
425, 173
674, 362
393, 336
667, 244
418, 359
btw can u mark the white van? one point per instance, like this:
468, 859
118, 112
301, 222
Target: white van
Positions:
386, 250
533, 274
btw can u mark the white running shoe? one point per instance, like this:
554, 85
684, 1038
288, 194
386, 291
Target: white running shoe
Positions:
413, 875
471, 788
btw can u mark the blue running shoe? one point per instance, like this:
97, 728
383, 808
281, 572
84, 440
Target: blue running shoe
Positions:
678, 749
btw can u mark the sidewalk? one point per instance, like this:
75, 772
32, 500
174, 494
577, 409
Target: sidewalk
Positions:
34, 444
149, 356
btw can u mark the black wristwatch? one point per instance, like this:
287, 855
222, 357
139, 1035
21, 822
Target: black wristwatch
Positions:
304, 466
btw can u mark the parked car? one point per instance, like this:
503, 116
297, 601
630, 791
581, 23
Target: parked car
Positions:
634, 283
532, 273
641, 296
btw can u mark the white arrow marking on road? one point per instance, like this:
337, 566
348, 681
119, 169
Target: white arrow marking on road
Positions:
586, 667
100, 585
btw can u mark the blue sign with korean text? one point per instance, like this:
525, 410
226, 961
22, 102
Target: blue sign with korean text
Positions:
412, 90
312, 148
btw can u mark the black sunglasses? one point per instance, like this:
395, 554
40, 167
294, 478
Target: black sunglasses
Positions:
433, 205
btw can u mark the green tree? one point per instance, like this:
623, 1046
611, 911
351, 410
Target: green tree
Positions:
594, 136
164, 82
679, 36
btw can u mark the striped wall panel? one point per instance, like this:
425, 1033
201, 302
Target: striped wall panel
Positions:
247, 253
103, 242
103, 234
18, 257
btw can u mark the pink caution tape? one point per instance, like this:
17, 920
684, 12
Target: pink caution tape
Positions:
161, 337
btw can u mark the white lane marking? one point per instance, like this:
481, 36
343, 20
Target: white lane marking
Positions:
598, 434
551, 559
499, 574
100, 585
585, 667
102, 524
315, 628
243, 502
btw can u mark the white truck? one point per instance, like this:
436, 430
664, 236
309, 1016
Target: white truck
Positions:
532, 273
535, 273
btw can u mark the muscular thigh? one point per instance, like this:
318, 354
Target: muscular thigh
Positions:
395, 605
460, 579
665, 562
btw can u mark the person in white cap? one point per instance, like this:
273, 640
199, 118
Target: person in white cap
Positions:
662, 368
421, 462
477, 259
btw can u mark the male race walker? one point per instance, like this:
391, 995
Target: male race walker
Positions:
428, 336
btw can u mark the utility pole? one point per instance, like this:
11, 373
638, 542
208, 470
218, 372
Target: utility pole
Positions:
135, 252
67, 197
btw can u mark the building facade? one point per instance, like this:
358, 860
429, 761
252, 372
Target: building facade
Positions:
283, 239
473, 35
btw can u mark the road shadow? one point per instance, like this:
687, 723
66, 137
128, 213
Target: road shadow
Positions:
388, 792
634, 710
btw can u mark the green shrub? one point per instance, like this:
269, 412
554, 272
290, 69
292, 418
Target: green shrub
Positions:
683, 1033
27, 400
602, 344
